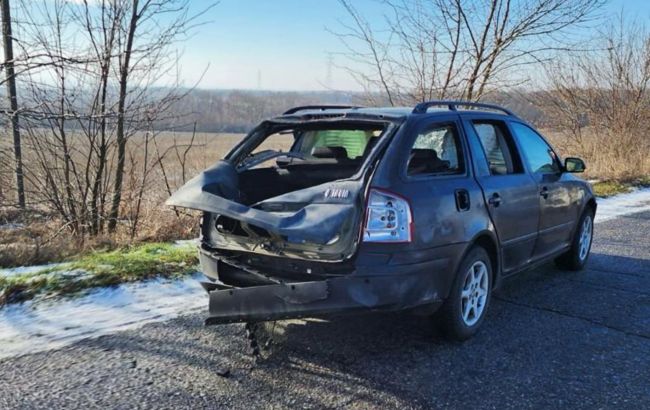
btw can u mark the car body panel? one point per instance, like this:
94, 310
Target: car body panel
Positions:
519, 201
309, 275
560, 196
387, 287
318, 221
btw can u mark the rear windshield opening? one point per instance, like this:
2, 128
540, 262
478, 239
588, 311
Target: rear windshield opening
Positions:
325, 144
290, 158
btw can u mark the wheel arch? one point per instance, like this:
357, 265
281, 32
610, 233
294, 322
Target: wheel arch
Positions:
487, 240
591, 203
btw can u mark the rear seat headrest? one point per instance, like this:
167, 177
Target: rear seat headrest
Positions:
330, 152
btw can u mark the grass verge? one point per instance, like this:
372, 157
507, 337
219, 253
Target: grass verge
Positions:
103, 268
606, 189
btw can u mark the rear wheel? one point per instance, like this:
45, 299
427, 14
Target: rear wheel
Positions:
576, 257
464, 310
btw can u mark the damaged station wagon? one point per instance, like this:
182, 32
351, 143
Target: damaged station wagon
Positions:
335, 209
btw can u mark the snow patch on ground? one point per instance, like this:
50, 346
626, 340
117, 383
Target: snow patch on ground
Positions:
36, 326
43, 325
623, 204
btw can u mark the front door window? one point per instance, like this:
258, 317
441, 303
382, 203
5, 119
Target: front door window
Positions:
539, 156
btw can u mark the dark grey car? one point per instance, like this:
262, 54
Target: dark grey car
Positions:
385, 209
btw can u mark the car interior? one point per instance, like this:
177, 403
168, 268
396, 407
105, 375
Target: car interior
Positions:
321, 155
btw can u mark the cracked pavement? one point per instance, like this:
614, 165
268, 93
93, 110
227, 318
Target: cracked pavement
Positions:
552, 339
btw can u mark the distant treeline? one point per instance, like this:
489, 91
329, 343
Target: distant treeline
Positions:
240, 110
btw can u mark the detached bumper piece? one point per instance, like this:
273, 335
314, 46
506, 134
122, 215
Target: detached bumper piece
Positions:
315, 298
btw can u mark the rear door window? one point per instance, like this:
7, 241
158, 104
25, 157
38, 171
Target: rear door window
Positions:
436, 151
498, 147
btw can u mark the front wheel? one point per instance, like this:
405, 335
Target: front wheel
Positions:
576, 257
464, 310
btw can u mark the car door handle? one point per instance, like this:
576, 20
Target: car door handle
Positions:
462, 200
544, 192
495, 200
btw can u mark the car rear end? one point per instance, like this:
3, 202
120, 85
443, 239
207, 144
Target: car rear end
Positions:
314, 251
262, 284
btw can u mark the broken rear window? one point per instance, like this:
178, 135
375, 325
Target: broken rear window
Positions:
323, 144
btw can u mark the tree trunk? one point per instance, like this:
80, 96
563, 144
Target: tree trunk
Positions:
120, 137
13, 101
96, 215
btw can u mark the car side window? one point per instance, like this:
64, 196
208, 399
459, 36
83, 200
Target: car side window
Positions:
498, 148
436, 151
539, 156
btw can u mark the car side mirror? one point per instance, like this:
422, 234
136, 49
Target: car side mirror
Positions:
573, 164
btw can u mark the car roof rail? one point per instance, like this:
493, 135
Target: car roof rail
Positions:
422, 107
319, 107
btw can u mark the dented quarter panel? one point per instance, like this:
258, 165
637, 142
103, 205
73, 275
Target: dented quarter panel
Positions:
440, 227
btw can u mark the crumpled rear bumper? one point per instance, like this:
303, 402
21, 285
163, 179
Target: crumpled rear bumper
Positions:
346, 294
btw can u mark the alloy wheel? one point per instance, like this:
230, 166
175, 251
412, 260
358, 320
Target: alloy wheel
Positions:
585, 238
475, 292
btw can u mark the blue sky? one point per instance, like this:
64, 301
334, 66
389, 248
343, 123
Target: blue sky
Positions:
285, 44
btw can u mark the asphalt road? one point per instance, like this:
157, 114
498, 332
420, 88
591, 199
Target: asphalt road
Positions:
553, 339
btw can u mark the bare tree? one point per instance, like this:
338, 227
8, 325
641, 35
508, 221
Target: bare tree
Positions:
88, 94
426, 49
124, 70
600, 101
144, 44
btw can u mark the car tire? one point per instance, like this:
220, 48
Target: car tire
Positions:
576, 257
462, 313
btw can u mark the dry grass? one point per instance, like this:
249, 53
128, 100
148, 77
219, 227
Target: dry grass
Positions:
32, 238
607, 160
38, 236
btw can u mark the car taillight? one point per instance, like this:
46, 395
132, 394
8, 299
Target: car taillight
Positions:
388, 218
